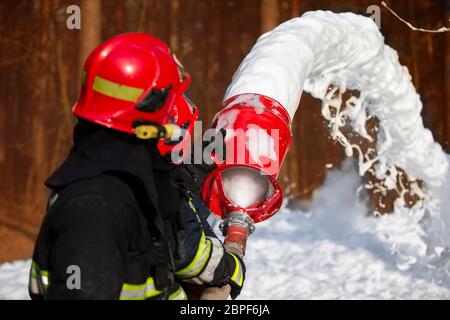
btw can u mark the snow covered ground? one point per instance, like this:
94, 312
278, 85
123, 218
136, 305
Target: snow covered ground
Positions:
337, 251
14, 280
333, 251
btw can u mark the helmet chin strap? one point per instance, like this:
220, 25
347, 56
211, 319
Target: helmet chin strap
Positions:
154, 131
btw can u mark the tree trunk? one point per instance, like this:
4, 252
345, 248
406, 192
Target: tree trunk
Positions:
270, 15
91, 28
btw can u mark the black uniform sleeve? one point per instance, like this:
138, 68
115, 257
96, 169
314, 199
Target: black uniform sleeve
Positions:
88, 244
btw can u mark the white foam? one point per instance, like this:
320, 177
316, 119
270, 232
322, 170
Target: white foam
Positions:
260, 144
322, 48
245, 187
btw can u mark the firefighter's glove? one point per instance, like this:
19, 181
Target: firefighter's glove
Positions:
236, 275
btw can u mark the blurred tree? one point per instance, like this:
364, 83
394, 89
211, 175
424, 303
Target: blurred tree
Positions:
270, 15
91, 29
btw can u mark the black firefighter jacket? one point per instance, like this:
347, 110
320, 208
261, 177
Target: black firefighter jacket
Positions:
114, 230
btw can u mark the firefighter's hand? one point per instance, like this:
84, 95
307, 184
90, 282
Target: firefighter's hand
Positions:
236, 269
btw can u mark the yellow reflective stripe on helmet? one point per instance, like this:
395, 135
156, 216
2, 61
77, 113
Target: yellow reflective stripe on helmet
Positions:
139, 291
178, 295
237, 276
198, 263
116, 90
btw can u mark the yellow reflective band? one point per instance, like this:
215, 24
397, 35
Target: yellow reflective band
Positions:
237, 275
139, 291
34, 265
116, 90
198, 263
147, 132
37, 272
178, 295
44, 273
192, 205
150, 131
170, 128
34, 287
45, 281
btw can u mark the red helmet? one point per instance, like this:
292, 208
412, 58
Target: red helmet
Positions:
133, 83
184, 113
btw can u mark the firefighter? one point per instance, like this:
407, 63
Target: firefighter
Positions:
123, 221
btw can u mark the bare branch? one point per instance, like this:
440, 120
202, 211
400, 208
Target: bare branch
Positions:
441, 29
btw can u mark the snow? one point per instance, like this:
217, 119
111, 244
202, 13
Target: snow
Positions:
337, 250
334, 250
14, 280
